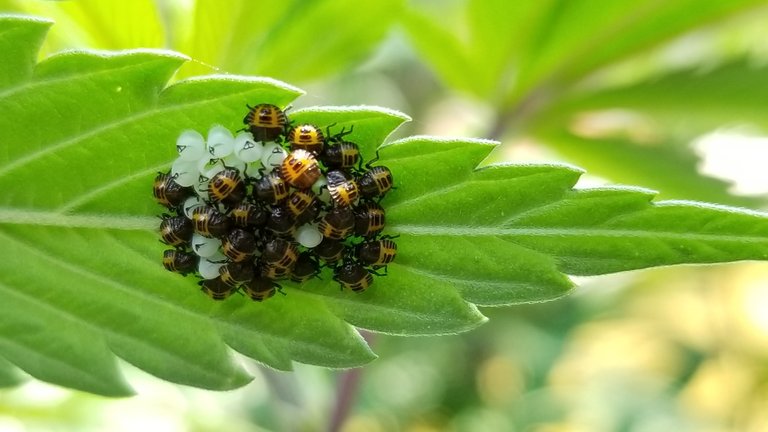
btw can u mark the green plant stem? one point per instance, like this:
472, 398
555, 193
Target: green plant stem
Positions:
347, 390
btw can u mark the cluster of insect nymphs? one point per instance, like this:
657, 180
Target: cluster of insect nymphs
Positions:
275, 202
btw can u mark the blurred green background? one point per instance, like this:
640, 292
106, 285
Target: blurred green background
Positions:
667, 95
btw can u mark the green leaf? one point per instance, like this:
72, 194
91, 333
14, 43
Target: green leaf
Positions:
19, 40
443, 50
688, 102
669, 111
337, 37
236, 37
505, 234
471, 53
662, 164
100, 24
99, 125
81, 276
9, 374
504, 50
576, 38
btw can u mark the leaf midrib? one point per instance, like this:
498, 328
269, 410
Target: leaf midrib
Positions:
484, 231
14, 216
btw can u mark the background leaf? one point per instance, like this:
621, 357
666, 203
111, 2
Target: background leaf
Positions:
547, 43
238, 37
97, 24
661, 163
687, 102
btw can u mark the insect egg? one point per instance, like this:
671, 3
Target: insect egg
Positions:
208, 269
204, 246
273, 155
246, 149
184, 172
210, 167
191, 204
190, 145
308, 236
254, 170
232, 161
220, 142
320, 188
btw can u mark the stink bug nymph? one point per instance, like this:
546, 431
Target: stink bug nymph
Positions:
281, 253
330, 251
227, 187
266, 122
260, 288
281, 222
306, 268
216, 288
208, 222
342, 155
239, 245
300, 169
176, 230
169, 193
234, 274
274, 272
377, 253
179, 261
369, 219
337, 224
376, 182
353, 276
271, 189
306, 137
249, 215
344, 191
302, 204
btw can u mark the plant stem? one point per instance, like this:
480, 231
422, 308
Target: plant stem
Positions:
347, 390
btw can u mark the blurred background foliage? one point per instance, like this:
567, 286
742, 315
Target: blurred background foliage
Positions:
666, 95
